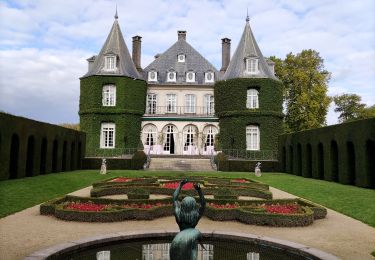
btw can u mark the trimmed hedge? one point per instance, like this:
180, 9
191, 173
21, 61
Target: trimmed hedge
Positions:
343, 153
130, 106
230, 106
29, 148
244, 213
135, 163
246, 165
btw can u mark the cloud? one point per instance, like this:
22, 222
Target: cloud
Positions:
44, 44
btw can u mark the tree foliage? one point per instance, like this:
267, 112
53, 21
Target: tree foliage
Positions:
350, 108
305, 89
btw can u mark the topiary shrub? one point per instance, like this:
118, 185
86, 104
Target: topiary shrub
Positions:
138, 160
225, 193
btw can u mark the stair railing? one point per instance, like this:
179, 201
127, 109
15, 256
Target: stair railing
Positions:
212, 161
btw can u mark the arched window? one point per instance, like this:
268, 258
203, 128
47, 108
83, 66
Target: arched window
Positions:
109, 95
190, 103
107, 136
252, 100
252, 137
209, 133
169, 138
190, 133
149, 135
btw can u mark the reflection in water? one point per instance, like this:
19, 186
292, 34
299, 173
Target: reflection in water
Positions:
252, 256
161, 252
103, 255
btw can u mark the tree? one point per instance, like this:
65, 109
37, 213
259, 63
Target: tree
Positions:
71, 126
305, 89
350, 108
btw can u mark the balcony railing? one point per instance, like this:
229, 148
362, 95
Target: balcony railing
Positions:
179, 110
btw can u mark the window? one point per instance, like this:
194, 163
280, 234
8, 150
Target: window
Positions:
152, 76
107, 135
209, 105
181, 58
190, 135
190, 103
252, 98
171, 76
171, 103
190, 76
149, 132
209, 77
110, 63
209, 133
252, 66
109, 96
252, 137
151, 104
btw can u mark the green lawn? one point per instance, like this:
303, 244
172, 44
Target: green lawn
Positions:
358, 203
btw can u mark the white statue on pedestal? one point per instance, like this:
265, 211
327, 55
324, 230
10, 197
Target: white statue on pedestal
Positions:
103, 168
258, 173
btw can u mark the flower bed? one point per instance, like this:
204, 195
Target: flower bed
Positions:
174, 185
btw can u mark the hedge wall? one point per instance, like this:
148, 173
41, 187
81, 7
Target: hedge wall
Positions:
343, 153
230, 106
29, 148
130, 106
246, 165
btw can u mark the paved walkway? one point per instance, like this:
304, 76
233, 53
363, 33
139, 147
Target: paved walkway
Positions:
27, 231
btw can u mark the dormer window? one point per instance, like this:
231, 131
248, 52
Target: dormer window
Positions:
209, 77
110, 63
252, 65
181, 57
171, 76
190, 76
152, 76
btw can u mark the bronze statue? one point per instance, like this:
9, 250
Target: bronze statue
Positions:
185, 244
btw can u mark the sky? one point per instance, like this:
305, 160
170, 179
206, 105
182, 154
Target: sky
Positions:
44, 44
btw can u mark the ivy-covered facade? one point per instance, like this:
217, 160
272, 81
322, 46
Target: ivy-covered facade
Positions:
180, 103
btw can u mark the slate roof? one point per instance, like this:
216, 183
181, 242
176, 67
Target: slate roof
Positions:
116, 45
194, 61
247, 47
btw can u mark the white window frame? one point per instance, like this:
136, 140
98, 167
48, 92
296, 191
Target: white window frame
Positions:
151, 103
206, 74
192, 80
252, 65
181, 58
171, 103
107, 135
150, 135
110, 63
209, 104
109, 96
252, 138
174, 76
252, 100
190, 103
150, 78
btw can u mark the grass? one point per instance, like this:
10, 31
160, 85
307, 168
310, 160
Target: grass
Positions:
358, 203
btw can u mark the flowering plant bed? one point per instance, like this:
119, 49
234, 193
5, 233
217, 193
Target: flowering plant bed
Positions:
174, 185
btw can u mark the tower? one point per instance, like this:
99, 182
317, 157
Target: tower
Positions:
248, 99
112, 98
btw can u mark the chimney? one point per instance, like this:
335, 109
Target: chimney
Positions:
271, 66
136, 55
225, 54
90, 62
181, 35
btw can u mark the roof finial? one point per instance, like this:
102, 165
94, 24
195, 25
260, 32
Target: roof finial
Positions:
247, 15
116, 16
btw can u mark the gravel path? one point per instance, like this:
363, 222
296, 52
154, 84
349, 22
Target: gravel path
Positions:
27, 231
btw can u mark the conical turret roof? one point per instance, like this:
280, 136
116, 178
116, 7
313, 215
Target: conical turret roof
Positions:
247, 48
114, 45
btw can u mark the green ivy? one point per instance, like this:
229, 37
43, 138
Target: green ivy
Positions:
130, 106
230, 106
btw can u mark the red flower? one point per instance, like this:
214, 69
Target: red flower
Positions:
121, 179
240, 180
174, 185
282, 209
85, 206
144, 205
223, 206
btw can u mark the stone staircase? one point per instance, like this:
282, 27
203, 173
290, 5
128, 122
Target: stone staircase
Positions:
179, 164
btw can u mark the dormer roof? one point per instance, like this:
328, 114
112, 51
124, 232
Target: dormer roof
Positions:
247, 48
194, 62
114, 46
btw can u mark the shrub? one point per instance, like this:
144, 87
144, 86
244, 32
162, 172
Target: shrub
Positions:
138, 160
139, 194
